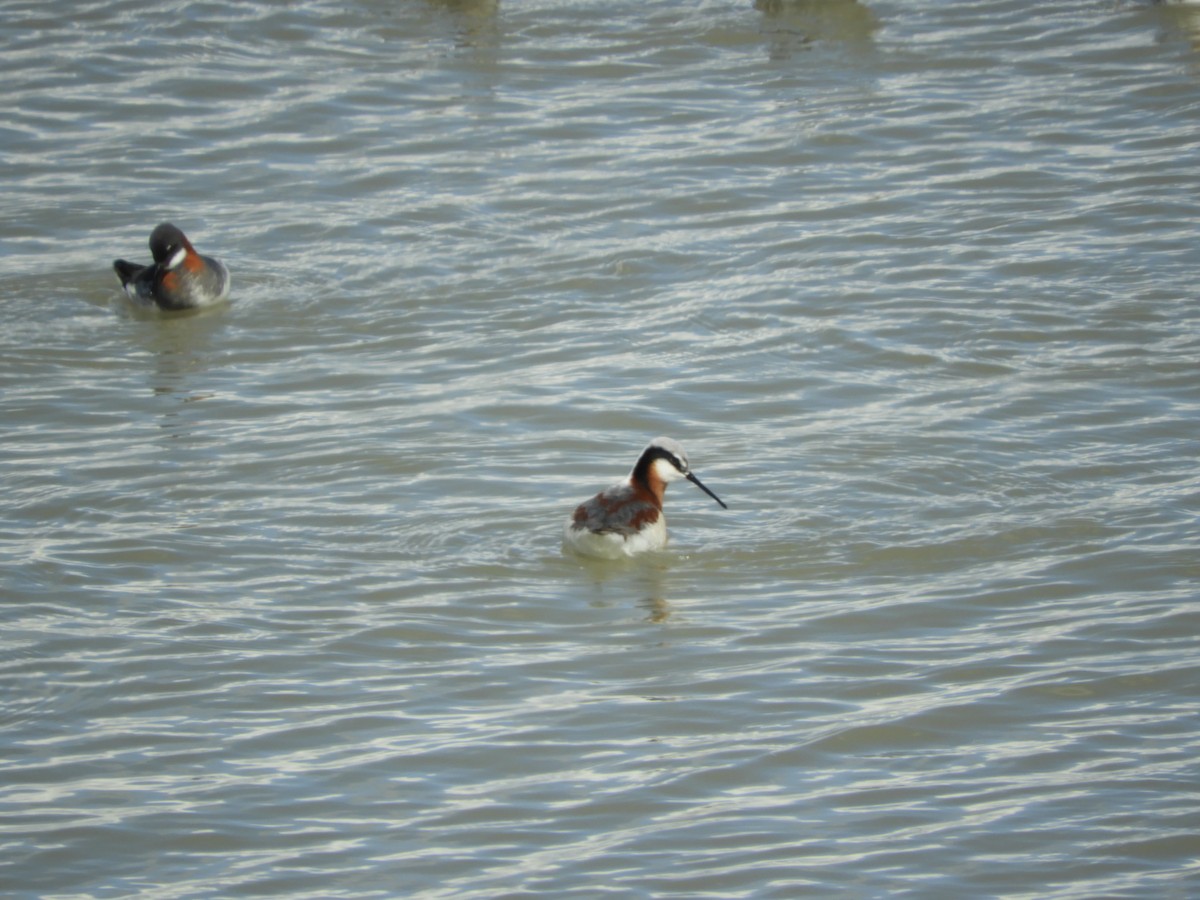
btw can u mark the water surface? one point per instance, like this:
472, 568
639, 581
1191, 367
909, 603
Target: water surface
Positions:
284, 609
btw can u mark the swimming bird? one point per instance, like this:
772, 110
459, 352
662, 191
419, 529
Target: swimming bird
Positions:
627, 518
179, 278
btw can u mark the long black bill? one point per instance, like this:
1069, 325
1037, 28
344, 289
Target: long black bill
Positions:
696, 481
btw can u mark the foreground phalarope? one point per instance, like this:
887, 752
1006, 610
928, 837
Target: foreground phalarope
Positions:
627, 518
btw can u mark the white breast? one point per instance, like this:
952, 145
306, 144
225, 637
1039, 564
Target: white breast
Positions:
609, 545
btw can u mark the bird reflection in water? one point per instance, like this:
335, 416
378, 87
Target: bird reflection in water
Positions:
794, 25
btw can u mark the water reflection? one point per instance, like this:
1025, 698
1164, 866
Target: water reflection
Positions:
182, 347
658, 610
1181, 21
639, 582
473, 21
795, 24
468, 9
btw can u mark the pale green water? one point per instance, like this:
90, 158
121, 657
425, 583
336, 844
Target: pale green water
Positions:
284, 611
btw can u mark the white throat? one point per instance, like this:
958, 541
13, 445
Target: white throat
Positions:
666, 472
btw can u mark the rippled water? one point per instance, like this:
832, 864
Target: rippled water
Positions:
284, 609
